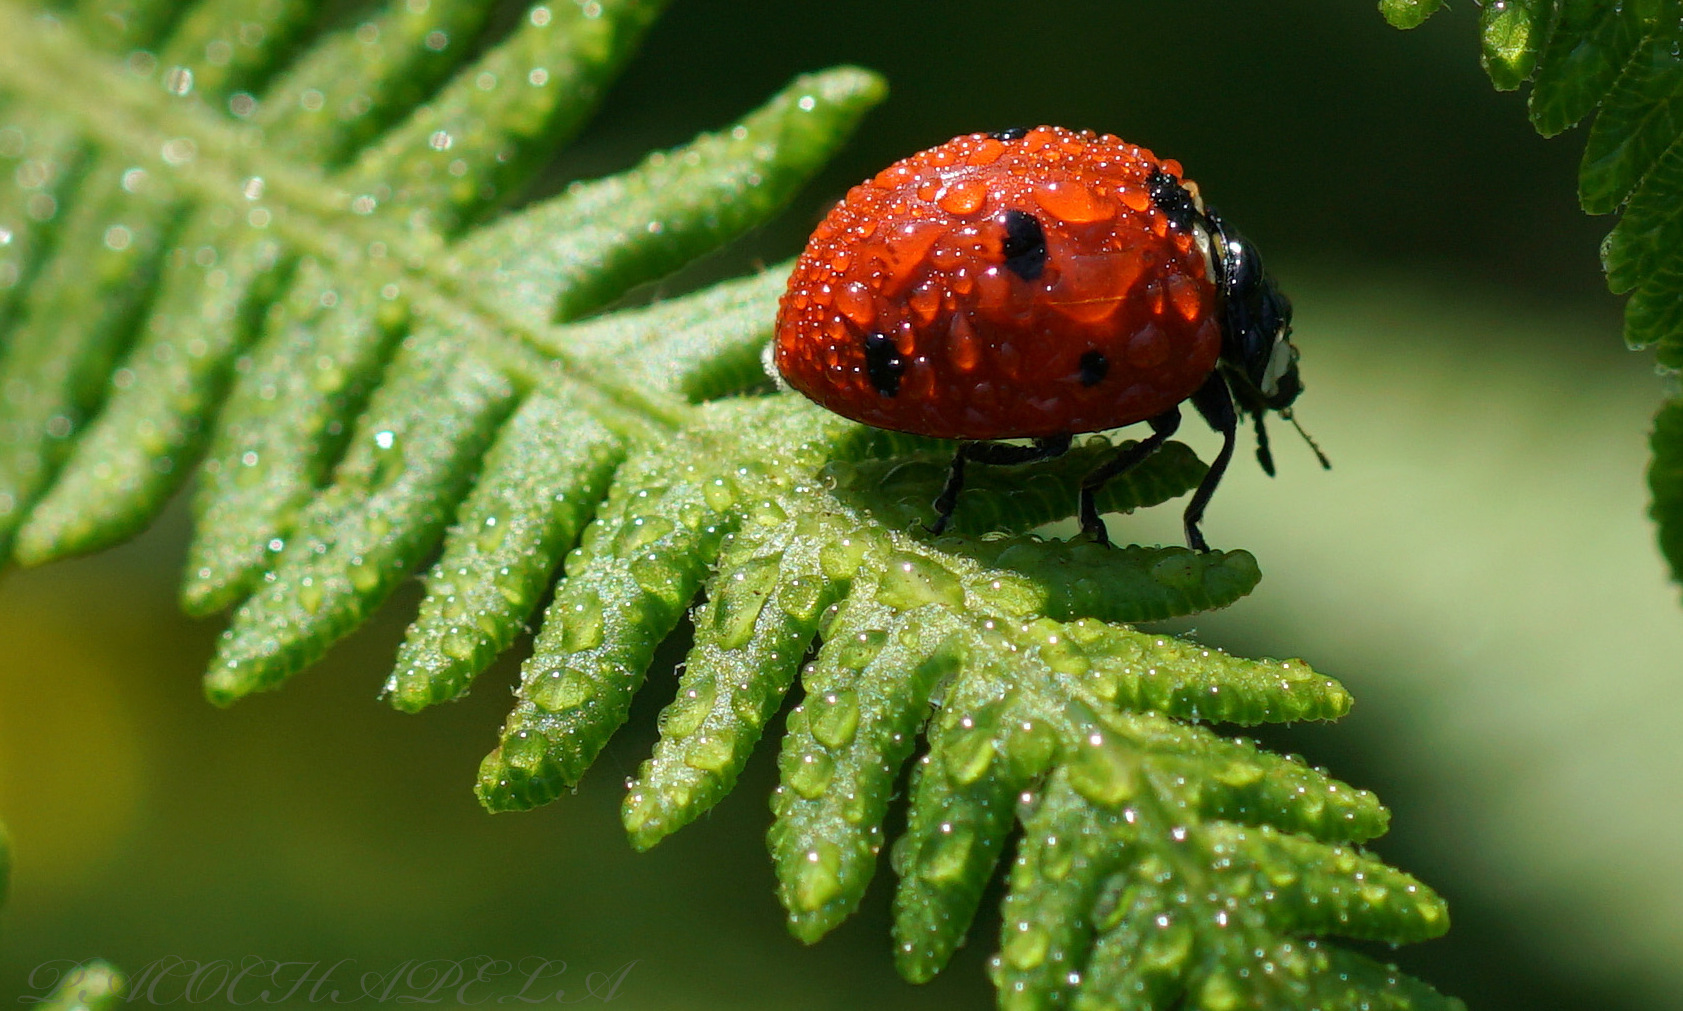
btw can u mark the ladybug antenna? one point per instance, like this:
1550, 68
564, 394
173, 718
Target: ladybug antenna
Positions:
1325, 463
1264, 455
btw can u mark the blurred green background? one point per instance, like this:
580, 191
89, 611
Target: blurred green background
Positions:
1477, 567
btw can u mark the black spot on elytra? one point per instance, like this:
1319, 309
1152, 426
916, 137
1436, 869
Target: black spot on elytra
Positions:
1025, 245
883, 363
1171, 198
1009, 134
1094, 367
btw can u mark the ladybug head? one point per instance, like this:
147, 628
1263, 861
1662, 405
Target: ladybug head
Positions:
1256, 349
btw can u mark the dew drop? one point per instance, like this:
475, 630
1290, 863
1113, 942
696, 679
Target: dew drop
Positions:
835, 718
178, 81
811, 774
179, 151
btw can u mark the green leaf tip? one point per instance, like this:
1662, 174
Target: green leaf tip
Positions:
1513, 33
1408, 13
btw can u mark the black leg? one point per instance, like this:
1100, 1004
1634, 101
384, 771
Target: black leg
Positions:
1162, 427
993, 453
1264, 455
1215, 402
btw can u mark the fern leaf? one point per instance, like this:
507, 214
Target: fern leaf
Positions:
410, 460
491, 124
307, 278
502, 553
71, 350
282, 427
583, 249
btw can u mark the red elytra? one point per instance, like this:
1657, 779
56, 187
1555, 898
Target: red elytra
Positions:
1036, 284
916, 257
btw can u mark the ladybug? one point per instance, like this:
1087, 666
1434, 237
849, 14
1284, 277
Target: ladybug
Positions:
1035, 284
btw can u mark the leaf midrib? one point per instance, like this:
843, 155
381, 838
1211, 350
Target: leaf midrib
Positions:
49, 63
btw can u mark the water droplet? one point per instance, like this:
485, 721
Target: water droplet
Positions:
1057, 857
1026, 947
949, 858
491, 535
581, 621
840, 559
641, 531
860, 649
712, 752
688, 711
834, 717
179, 151
909, 581
364, 574
969, 754
309, 595
740, 597
178, 80
1103, 772
810, 774
561, 690
459, 644
1033, 747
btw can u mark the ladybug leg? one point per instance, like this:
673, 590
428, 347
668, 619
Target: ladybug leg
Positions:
994, 454
1162, 427
1215, 402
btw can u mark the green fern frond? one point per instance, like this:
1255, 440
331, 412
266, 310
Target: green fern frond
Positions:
1623, 63
296, 273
